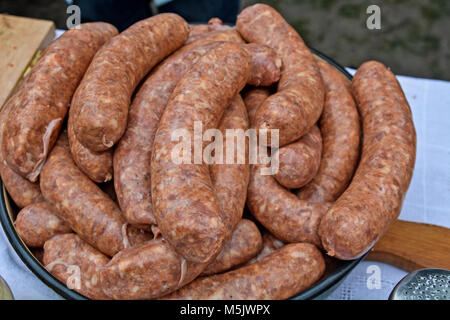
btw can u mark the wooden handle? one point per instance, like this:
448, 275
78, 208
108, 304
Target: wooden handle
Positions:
411, 246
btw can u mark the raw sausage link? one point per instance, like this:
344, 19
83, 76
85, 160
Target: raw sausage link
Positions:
81, 203
253, 100
216, 35
245, 243
75, 263
281, 212
197, 30
147, 271
151, 270
373, 200
297, 105
185, 205
265, 62
280, 275
22, 191
155, 269
230, 180
277, 209
340, 128
132, 157
38, 222
299, 160
98, 166
101, 101
265, 65
40, 105
270, 245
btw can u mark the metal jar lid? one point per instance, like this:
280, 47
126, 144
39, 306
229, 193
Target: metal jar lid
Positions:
424, 284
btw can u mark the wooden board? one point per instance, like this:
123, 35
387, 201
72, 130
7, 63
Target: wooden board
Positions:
20, 39
411, 246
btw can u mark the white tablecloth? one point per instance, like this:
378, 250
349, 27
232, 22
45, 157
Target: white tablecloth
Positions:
428, 198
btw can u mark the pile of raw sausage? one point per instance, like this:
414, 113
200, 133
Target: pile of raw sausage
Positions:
86, 152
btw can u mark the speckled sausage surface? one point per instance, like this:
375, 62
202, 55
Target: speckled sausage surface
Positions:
198, 29
275, 207
227, 34
253, 99
300, 160
280, 275
38, 222
270, 244
132, 156
340, 129
22, 191
374, 198
153, 269
75, 263
265, 65
185, 205
40, 105
281, 212
98, 166
245, 243
297, 105
146, 271
82, 204
102, 99
230, 180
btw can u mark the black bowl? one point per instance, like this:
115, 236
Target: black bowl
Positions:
335, 272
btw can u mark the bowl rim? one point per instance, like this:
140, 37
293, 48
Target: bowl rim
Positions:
317, 289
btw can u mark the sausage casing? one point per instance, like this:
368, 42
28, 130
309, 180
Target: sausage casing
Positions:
281, 212
270, 245
253, 100
38, 222
185, 204
298, 103
41, 103
374, 198
75, 263
280, 275
154, 269
245, 243
340, 129
216, 35
265, 65
102, 99
22, 191
230, 180
276, 208
82, 204
132, 157
98, 166
299, 160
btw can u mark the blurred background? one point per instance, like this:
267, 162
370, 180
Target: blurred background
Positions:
414, 38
